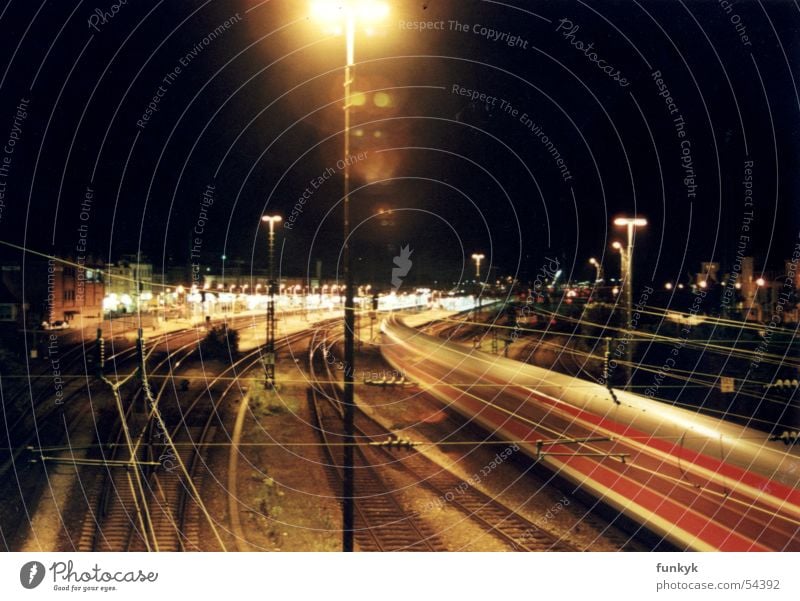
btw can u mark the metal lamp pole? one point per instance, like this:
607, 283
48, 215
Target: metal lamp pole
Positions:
350, 11
269, 352
630, 223
348, 492
478, 257
598, 269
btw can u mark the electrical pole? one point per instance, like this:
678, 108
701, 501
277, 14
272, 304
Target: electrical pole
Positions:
630, 223
269, 350
348, 488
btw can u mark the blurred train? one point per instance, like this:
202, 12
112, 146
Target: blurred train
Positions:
698, 482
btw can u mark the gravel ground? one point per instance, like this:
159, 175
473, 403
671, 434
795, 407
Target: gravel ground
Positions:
515, 482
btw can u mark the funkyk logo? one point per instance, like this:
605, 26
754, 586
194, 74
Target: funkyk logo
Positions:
403, 262
31, 574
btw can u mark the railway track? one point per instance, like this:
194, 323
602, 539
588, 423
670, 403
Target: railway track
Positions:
610, 535
119, 518
382, 523
32, 423
170, 500
493, 516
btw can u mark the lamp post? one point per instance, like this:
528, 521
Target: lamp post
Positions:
598, 269
351, 12
478, 257
269, 351
630, 223
758, 301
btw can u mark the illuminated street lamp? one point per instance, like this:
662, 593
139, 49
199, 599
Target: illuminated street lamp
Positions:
631, 223
477, 257
269, 350
622, 256
598, 268
350, 13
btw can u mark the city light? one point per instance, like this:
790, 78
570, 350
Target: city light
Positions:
333, 12
477, 257
632, 221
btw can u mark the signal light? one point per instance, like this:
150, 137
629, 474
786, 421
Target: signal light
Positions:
100, 354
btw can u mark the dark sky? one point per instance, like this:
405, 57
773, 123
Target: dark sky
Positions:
255, 111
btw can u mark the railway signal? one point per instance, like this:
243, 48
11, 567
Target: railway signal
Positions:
100, 350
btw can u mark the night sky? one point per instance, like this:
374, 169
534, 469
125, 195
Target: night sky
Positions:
249, 97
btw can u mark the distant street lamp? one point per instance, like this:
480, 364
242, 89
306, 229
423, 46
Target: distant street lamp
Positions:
598, 268
351, 12
630, 223
269, 351
477, 257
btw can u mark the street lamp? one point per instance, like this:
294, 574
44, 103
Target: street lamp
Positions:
351, 12
269, 351
477, 257
630, 223
598, 268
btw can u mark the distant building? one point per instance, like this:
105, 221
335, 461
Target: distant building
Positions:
129, 284
73, 292
12, 308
